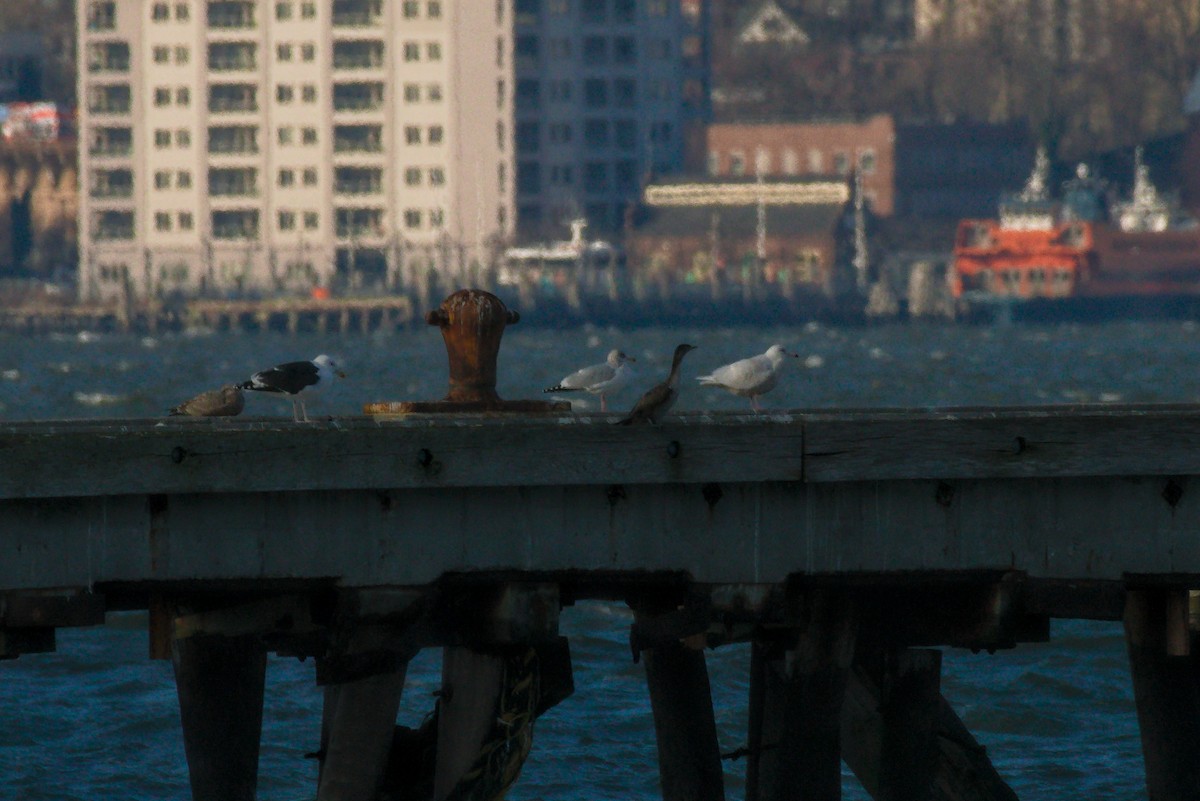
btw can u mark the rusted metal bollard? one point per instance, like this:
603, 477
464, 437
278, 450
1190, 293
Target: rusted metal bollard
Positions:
472, 323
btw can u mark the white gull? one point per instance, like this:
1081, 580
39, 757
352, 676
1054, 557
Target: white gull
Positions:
599, 379
750, 378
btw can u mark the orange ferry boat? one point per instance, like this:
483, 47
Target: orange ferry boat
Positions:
1081, 255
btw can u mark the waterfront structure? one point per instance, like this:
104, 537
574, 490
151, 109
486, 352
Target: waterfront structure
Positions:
606, 91
244, 146
38, 197
788, 232
788, 149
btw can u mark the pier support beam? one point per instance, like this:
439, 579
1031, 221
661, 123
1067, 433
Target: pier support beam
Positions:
689, 756
808, 766
220, 684
1166, 687
357, 727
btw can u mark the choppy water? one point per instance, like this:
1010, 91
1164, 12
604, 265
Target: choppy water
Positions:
97, 720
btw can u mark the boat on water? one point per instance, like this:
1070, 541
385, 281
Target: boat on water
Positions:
1082, 255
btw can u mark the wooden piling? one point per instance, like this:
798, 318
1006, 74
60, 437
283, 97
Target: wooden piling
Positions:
911, 694
766, 692
809, 763
1166, 687
470, 686
357, 725
689, 756
220, 685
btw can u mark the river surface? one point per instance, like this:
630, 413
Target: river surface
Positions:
97, 720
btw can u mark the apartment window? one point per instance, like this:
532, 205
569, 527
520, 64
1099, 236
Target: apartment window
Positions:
595, 133
595, 176
412, 51
310, 176
411, 9
560, 132
437, 176
412, 135
594, 11
283, 93
162, 138
182, 55
311, 221
308, 52
529, 93
500, 137
528, 137
624, 92
102, 16
287, 220
186, 221
287, 178
433, 93
412, 176
162, 221
160, 12
866, 162
624, 50
182, 12
561, 174
308, 136
437, 218
595, 50
161, 55
162, 96
625, 11
162, 179
309, 93
308, 10
595, 93
183, 179
283, 52
412, 218
529, 178
625, 134
433, 9
286, 135
183, 96
412, 93
436, 134
183, 138
283, 11
434, 51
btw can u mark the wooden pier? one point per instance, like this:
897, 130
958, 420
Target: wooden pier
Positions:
847, 547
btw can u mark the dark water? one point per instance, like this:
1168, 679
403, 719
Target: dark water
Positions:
97, 720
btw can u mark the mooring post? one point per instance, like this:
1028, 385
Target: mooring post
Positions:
808, 766
220, 684
1166, 687
689, 756
357, 726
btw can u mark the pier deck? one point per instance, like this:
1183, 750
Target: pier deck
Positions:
843, 545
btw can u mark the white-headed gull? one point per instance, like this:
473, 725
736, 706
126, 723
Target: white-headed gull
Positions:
293, 378
659, 399
224, 402
751, 378
599, 379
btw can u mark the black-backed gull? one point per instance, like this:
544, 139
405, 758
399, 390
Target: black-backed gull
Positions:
294, 378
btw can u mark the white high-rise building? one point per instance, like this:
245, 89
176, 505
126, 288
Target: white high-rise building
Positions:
283, 145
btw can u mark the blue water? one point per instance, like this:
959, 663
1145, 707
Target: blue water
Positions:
98, 720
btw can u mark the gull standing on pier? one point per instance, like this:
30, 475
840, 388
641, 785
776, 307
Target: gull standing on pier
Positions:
751, 378
293, 378
599, 379
659, 399
224, 402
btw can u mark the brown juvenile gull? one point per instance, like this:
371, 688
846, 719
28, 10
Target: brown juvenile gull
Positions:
224, 402
598, 379
293, 378
750, 378
659, 399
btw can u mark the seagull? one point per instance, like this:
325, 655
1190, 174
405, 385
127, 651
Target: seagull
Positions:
752, 377
224, 402
659, 399
292, 378
599, 379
